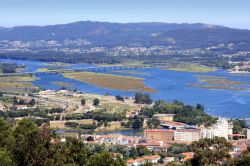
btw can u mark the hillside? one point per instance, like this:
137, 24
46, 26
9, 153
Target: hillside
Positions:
112, 34
99, 42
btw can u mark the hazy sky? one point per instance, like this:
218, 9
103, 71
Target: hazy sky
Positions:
233, 13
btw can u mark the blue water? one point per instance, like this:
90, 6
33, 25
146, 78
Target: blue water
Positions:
129, 132
169, 84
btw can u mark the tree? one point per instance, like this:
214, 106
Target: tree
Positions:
179, 148
6, 137
5, 157
90, 138
105, 124
32, 102
105, 159
83, 102
15, 101
96, 102
242, 160
141, 98
119, 98
31, 145
238, 125
137, 122
211, 151
153, 123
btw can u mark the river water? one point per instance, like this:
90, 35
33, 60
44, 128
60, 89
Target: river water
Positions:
169, 84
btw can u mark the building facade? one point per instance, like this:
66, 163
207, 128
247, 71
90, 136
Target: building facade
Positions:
159, 135
188, 135
220, 129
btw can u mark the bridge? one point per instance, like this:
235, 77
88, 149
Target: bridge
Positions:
86, 69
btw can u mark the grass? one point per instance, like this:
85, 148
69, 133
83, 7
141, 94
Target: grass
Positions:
110, 81
63, 84
16, 83
116, 107
17, 78
186, 67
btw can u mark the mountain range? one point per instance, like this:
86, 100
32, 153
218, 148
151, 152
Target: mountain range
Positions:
130, 34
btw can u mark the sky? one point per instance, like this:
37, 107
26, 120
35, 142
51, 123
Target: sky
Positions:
231, 13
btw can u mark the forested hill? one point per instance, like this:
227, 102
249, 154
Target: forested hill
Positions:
130, 34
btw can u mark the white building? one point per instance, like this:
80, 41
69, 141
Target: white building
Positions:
220, 129
248, 133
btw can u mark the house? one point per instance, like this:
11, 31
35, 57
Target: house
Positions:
21, 107
167, 160
187, 156
47, 92
139, 161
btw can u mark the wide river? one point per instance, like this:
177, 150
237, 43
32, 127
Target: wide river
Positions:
169, 84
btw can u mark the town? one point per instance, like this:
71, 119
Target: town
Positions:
71, 113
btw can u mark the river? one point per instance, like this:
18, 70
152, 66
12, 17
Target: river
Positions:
169, 84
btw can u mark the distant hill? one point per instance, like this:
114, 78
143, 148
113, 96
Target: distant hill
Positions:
131, 34
203, 37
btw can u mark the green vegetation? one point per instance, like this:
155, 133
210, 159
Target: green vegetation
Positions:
135, 122
83, 102
16, 101
179, 148
26, 144
242, 160
120, 98
97, 115
238, 125
21, 83
211, 151
96, 102
184, 113
153, 123
141, 98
